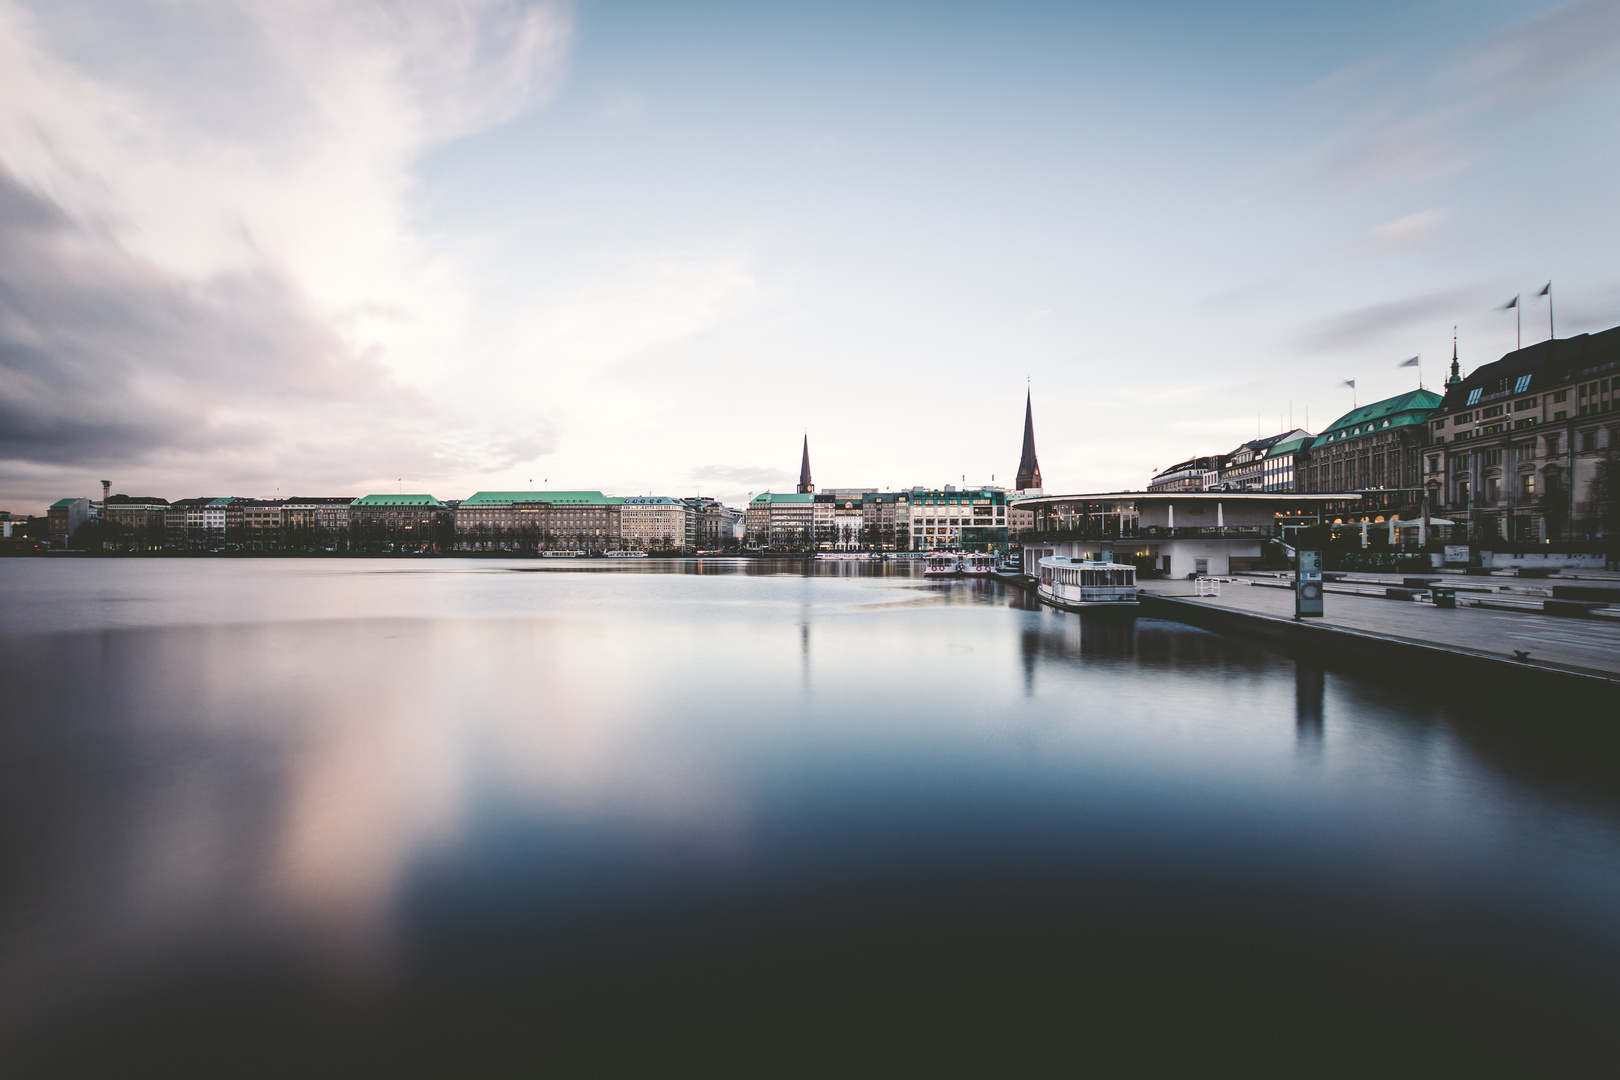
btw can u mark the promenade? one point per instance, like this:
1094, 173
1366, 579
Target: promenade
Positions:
1589, 646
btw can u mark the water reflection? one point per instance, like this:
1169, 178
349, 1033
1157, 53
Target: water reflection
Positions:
583, 812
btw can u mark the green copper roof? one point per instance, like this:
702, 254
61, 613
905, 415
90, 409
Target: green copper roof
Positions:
1293, 446
556, 498
1400, 411
64, 502
397, 500
783, 497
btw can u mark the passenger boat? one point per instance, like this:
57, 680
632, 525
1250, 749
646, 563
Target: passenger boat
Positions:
626, 554
561, 554
942, 564
1083, 584
978, 563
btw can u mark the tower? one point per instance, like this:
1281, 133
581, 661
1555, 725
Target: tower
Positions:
1456, 368
805, 486
1029, 470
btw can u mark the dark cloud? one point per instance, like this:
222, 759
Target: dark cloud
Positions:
109, 362
1368, 325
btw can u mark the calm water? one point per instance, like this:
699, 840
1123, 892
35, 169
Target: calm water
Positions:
473, 817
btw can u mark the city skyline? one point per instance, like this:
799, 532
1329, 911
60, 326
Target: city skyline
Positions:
347, 249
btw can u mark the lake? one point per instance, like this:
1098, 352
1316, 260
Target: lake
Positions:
483, 817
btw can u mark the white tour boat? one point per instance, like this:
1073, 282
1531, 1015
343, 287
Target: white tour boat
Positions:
978, 563
562, 554
942, 564
1083, 584
626, 554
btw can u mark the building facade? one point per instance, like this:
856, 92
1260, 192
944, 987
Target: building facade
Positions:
1375, 451
781, 520
1244, 469
315, 524
1194, 474
400, 523
66, 517
537, 520
1515, 445
656, 523
946, 519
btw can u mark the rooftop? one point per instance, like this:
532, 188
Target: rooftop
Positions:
1535, 368
783, 497
554, 498
1402, 410
397, 500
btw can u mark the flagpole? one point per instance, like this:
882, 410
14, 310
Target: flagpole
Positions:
1518, 331
1552, 334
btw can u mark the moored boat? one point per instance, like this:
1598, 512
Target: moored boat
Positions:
978, 563
626, 554
1084, 584
561, 554
942, 564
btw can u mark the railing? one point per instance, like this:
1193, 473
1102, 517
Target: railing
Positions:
1152, 532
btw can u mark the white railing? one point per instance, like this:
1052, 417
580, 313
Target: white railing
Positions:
1207, 586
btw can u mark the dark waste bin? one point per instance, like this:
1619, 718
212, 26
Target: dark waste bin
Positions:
1443, 595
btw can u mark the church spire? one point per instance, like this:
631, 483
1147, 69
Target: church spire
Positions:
1456, 368
1029, 469
805, 486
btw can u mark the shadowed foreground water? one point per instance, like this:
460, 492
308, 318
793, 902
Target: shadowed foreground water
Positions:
443, 817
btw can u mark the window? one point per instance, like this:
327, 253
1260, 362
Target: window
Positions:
1439, 424
1473, 395
1434, 462
1560, 395
1489, 458
1523, 404
1589, 440
1522, 385
1552, 445
1463, 418
1494, 410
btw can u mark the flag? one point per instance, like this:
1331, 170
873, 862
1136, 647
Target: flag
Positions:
1546, 291
1513, 303
1351, 383
1408, 363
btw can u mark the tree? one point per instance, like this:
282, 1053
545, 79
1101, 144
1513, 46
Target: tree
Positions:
1603, 493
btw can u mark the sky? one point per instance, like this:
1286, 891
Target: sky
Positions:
334, 247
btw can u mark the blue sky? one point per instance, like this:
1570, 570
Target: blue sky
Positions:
646, 247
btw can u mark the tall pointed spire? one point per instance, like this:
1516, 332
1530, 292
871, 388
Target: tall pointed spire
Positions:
1029, 470
805, 486
1456, 368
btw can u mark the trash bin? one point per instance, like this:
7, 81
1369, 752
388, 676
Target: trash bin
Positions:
1444, 596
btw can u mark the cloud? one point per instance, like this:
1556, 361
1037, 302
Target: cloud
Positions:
208, 264
1424, 127
1367, 325
742, 475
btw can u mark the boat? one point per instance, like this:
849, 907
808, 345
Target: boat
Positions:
562, 554
942, 564
845, 556
626, 554
978, 563
1086, 585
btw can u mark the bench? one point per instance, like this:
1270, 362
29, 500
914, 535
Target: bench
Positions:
1444, 596
1570, 609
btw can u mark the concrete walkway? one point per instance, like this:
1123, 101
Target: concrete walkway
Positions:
1591, 645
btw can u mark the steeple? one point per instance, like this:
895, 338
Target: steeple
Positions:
1029, 470
1456, 368
805, 486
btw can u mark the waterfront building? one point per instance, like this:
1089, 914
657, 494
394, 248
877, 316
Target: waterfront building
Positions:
715, 525
840, 517
1029, 468
548, 520
1244, 469
1194, 474
1020, 519
885, 520
261, 524
781, 520
400, 523
320, 523
946, 519
1171, 533
1375, 451
66, 517
1515, 445
656, 523
1278, 469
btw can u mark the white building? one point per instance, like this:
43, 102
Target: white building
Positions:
656, 522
